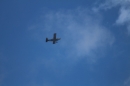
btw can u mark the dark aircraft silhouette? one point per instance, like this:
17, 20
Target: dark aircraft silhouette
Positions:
54, 39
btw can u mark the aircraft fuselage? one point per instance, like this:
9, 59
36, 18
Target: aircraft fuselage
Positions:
54, 39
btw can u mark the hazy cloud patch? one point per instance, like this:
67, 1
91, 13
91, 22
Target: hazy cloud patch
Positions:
82, 34
127, 82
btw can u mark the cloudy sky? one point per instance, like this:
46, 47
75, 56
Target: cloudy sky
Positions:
94, 49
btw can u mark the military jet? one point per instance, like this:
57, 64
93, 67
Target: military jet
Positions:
54, 39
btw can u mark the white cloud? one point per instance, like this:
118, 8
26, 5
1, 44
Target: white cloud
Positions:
124, 5
108, 4
124, 16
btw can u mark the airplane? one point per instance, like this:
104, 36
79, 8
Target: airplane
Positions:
54, 39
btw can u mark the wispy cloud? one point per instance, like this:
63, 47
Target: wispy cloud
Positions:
127, 82
82, 34
124, 18
124, 11
108, 4
83, 38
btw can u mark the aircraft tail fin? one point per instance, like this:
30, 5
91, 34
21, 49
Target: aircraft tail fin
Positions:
46, 39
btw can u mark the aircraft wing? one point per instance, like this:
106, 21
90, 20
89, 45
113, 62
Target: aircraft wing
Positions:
54, 36
54, 42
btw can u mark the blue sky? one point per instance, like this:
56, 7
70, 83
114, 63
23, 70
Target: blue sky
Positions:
94, 49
